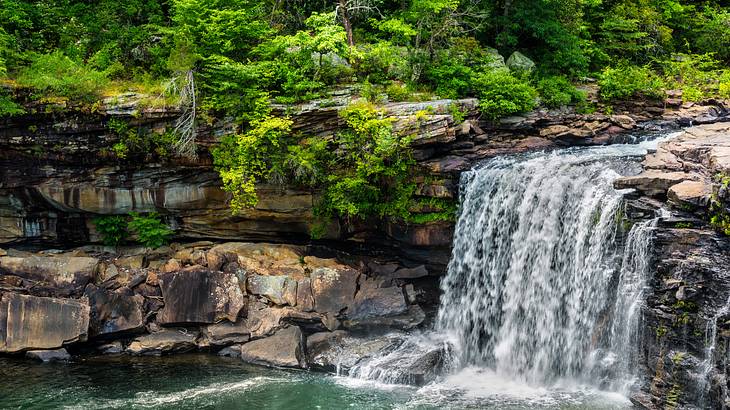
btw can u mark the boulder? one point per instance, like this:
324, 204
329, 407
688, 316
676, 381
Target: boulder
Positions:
227, 333
284, 349
197, 295
333, 290
495, 60
61, 276
57, 355
263, 320
280, 290
230, 351
520, 62
31, 323
305, 299
692, 193
372, 301
163, 342
114, 312
410, 319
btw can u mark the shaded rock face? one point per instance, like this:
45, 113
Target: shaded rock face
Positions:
59, 276
284, 349
114, 312
32, 323
199, 296
57, 355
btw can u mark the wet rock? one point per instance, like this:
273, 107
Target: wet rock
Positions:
115, 347
227, 333
31, 323
230, 351
333, 290
57, 355
263, 320
59, 275
321, 348
284, 349
163, 342
410, 273
281, 290
410, 319
196, 295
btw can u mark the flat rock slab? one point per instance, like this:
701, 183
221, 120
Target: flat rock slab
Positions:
62, 275
164, 342
198, 295
695, 193
33, 323
57, 355
227, 333
652, 182
284, 349
114, 312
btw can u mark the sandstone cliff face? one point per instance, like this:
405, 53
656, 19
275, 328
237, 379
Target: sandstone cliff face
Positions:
57, 171
686, 318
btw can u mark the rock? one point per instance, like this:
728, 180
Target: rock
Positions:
410, 273
227, 333
652, 183
172, 265
263, 320
496, 60
62, 275
134, 262
57, 355
305, 299
372, 301
408, 320
163, 342
197, 295
230, 351
114, 312
692, 193
284, 349
410, 292
520, 62
623, 121
320, 349
281, 290
333, 290
111, 348
31, 323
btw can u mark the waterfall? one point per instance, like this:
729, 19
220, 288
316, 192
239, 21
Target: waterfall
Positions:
538, 285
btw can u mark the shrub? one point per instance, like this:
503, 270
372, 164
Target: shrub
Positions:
58, 75
558, 91
629, 81
502, 94
113, 229
151, 231
695, 74
398, 92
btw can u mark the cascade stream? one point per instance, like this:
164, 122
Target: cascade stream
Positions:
546, 278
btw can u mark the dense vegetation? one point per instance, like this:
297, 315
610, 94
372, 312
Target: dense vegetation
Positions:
234, 57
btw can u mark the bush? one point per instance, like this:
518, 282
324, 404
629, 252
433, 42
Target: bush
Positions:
398, 92
502, 94
57, 75
151, 231
113, 229
629, 81
695, 74
558, 91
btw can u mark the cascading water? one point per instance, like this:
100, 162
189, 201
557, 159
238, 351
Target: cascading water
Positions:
544, 284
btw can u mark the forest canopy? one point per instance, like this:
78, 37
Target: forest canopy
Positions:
234, 58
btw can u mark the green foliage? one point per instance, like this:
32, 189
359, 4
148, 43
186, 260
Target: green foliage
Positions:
150, 230
698, 76
113, 229
629, 81
8, 107
138, 141
256, 155
711, 32
58, 75
502, 94
558, 91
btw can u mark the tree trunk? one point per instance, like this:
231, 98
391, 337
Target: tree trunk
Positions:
346, 22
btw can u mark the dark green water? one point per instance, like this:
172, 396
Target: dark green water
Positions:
209, 382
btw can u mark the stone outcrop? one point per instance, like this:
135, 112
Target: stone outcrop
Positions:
59, 276
164, 342
57, 355
685, 328
114, 312
284, 348
33, 323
